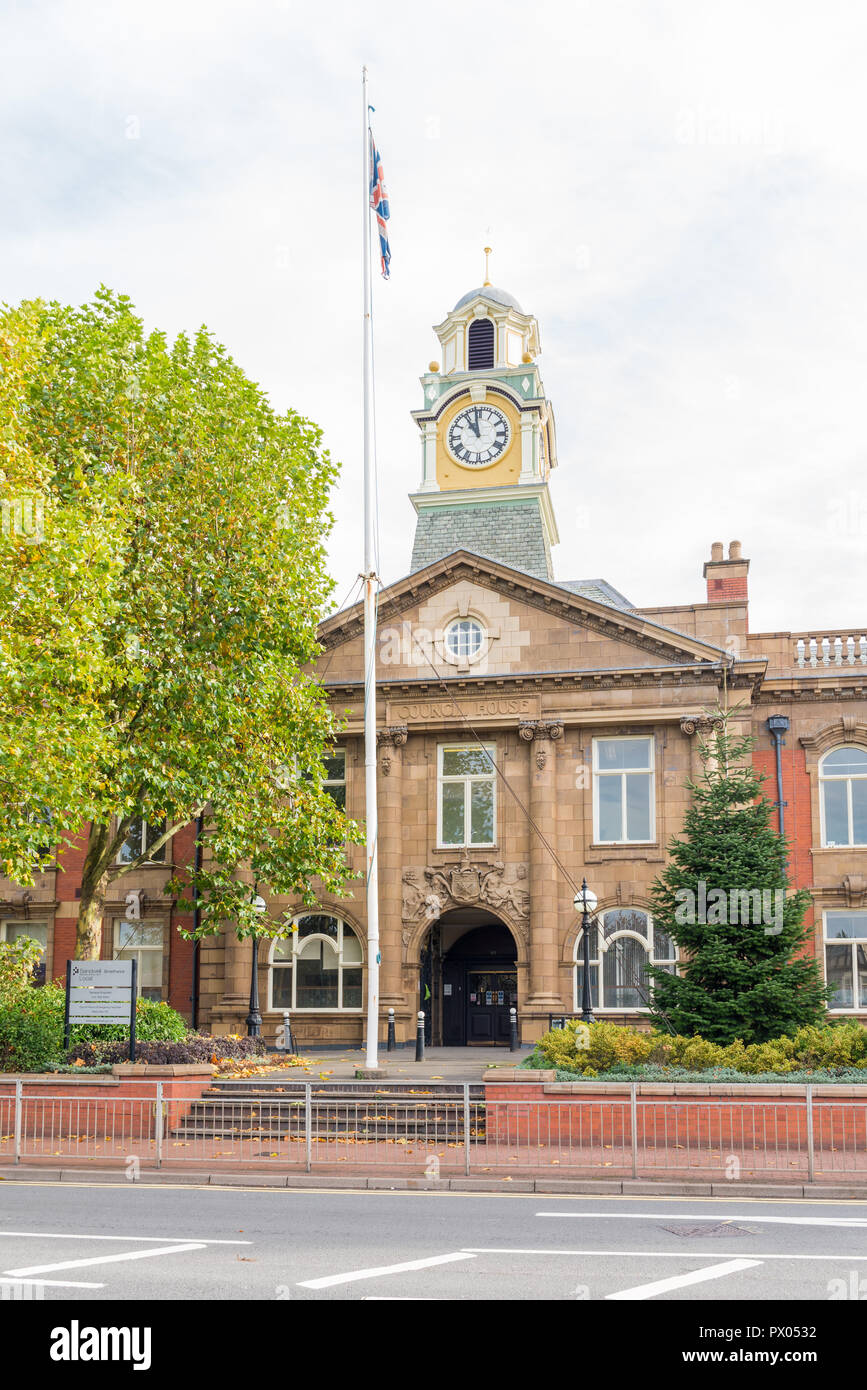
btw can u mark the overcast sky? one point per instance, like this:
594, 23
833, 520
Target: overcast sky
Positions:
678, 191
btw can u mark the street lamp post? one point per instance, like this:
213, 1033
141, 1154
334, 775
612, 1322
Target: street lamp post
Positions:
585, 902
254, 1017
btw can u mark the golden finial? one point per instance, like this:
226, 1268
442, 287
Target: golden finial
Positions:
488, 250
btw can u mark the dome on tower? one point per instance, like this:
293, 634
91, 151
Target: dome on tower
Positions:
489, 292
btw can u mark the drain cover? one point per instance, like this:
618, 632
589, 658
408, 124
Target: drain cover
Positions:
720, 1228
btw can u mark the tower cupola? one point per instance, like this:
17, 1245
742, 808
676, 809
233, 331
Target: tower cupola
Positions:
488, 440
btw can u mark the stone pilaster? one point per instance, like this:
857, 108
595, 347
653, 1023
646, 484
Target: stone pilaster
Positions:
542, 737
230, 1010
390, 744
700, 728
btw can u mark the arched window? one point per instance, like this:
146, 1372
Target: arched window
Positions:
318, 966
480, 345
843, 789
621, 948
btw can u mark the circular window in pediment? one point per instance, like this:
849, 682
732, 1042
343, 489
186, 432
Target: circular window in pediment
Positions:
464, 639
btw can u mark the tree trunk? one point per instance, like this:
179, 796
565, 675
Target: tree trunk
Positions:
94, 885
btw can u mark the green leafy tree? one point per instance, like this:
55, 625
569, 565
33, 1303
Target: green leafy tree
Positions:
723, 897
158, 626
60, 558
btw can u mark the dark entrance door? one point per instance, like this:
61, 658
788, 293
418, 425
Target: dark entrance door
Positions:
490, 996
479, 986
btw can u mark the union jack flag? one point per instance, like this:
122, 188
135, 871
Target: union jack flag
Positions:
379, 203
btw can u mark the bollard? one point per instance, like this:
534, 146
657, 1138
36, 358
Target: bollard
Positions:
514, 1045
391, 1043
288, 1040
419, 1037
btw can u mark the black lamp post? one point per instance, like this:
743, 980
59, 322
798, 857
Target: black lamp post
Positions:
254, 1017
585, 902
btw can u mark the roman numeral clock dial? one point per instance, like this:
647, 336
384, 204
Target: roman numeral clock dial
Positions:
478, 436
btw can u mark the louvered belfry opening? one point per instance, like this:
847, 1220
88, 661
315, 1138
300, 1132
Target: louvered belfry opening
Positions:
480, 345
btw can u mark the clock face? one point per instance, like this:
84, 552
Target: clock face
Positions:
478, 435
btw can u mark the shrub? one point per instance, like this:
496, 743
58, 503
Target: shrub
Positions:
607, 1048
697, 1054
31, 1026
195, 1047
155, 1021
718, 1076
598, 1047
19, 959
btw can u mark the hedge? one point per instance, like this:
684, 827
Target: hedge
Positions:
615, 1051
196, 1047
31, 1027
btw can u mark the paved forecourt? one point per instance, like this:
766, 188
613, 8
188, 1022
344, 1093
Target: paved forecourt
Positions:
63, 1241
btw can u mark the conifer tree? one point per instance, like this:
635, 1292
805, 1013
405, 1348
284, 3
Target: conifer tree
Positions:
744, 972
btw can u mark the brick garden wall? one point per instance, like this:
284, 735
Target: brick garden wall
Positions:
566, 1114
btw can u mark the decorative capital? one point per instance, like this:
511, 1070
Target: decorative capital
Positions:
392, 736
701, 723
528, 729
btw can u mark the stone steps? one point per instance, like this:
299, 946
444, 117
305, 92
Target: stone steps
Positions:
251, 1115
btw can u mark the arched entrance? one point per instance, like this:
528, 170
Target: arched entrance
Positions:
468, 980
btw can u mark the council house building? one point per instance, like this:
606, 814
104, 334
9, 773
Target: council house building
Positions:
532, 732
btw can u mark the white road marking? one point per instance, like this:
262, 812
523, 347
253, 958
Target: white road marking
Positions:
856, 1222
680, 1281
158, 1240
684, 1254
105, 1259
377, 1271
52, 1283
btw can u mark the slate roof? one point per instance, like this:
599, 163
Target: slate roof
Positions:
597, 589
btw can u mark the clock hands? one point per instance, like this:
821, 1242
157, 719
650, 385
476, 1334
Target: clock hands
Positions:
465, 436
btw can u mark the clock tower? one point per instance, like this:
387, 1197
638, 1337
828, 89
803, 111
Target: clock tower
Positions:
487, 440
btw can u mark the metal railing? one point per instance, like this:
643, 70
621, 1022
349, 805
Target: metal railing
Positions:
433, 1134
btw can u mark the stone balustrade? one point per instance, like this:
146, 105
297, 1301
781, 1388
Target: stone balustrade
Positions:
846, 649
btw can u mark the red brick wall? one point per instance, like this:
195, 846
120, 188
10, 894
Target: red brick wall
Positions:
71, 862
526, 1115
125, 1108
70, 865
721, 590
797, 813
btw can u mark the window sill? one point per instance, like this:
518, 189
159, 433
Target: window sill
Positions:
613, 1012
463, 849
839, 849
649, 850
148, 864
278, 1012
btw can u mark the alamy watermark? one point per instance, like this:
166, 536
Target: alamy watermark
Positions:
23, 518
721, 907
21, 1291
464, 646
706, 125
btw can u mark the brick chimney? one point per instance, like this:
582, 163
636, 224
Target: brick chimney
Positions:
726, 579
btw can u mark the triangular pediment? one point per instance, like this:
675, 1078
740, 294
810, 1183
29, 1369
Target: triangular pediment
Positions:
533, 626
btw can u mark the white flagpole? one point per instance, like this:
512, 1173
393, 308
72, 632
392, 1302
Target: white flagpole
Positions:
370, 586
